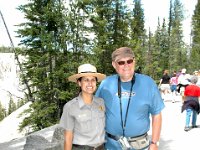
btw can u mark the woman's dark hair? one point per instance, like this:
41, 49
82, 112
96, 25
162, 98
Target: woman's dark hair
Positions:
79, 79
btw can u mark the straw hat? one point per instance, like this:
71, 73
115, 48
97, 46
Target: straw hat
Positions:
86, 70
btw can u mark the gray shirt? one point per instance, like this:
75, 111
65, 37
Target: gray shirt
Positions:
87, 122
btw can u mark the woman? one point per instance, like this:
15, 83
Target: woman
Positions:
164, 85
173, 86
83, 117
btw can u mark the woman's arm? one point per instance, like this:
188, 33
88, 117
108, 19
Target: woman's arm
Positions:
68, 140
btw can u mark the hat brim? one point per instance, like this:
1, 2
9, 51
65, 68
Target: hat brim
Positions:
123, 56
75, 77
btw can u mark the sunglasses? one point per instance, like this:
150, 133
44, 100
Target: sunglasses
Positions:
130, 61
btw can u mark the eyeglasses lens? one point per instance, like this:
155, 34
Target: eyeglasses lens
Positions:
130, 61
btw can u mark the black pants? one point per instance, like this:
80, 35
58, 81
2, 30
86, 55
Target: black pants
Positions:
85, 147
179, 87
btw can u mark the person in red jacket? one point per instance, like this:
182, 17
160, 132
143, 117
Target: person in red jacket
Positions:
191, 103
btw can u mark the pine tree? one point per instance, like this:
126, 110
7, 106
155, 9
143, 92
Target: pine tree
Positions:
109, 25
161, 36
2, 112
177, 53
11, 106
138, 33
5, 49
158, 51
58, 39
47, 64
195, 52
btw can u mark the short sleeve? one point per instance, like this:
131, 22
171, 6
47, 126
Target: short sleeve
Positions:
67, 120
157, 103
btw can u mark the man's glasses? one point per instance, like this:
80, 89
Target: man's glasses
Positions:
130, 61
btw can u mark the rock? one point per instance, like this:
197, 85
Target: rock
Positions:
40, 140
58, 135
36, 142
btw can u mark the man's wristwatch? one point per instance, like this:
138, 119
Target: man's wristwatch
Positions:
156, 143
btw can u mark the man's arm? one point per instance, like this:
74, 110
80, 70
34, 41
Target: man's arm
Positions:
68, 140
156, 130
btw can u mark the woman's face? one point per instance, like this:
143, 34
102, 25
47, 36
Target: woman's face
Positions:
88, 84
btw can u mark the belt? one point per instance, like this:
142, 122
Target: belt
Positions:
116, 138
86, 147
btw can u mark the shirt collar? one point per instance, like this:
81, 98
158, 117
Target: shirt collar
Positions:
81, 102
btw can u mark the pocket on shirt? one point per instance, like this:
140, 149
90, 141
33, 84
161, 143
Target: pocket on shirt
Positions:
101, 115
83, 123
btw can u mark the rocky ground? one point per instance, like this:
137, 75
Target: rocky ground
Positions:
173, 136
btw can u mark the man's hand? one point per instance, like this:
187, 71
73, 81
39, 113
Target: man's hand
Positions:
153, 147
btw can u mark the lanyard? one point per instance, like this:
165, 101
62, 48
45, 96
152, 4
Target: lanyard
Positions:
123, 124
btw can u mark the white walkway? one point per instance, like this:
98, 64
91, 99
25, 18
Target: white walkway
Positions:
173, 136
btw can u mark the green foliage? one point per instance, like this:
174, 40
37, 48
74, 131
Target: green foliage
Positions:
195, 52
110, 28
137, 33
48, 63
177, 47
2, 112
11, 106
21, 102
6, 50
58, 39
42, 116
166, 47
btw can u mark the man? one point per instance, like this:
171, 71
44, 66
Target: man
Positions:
130, 98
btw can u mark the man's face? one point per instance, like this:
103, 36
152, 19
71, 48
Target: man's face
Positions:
125, 68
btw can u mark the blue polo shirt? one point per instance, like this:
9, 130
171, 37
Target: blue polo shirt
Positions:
145, 101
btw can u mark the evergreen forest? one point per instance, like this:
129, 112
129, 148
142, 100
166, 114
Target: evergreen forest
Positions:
57, 37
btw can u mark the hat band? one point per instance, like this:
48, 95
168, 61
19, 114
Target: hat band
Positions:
87, 72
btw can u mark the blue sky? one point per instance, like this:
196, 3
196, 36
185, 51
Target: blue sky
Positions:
152, 10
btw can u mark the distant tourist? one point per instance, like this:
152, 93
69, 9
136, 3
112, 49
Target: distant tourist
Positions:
191, 103
164, 85
183, 81
173, 86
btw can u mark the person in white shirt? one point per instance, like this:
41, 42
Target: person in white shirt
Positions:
183, 81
